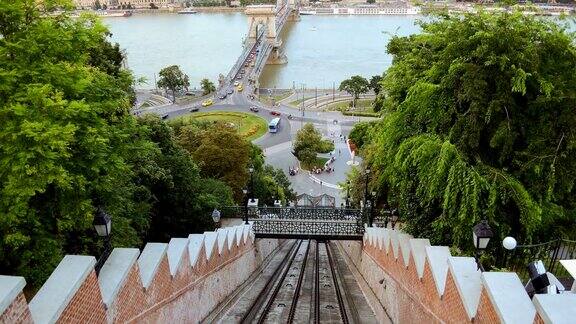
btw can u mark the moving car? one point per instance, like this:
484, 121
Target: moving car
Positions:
207, 102
230, 91
222, 96
236, 83
254, 109
194, 109
275, 113
240, 87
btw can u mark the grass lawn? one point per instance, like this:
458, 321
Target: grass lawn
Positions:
361, 105
249, 126
319, 163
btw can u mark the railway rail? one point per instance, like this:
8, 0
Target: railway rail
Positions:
305, 287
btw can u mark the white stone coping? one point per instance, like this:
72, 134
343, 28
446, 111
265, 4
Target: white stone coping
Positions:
231, 236
176, 248
115, 271
196, 242
437, 257
10, 288
418, 251
248, 231
150, 260
570, 266
222, 238
394, 242
509, 297
468, 281
386, 240
560, 309
60, 288
404, 240
210, 239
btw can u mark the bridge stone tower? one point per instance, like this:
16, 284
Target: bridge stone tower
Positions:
269, 18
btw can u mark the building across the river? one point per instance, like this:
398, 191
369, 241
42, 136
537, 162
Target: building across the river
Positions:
362, 10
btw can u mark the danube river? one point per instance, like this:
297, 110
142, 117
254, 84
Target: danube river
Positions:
321, 50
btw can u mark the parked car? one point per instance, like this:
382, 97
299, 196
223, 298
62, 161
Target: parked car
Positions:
165, 116
275, 113
230, 91
194, 109
207, 102
254, 109
236, 83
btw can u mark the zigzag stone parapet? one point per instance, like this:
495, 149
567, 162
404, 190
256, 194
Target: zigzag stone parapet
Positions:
459, 293
164, 283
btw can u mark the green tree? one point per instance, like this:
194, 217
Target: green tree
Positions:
67, 139
173, 79
309, 143
476, 129
376, 83
355, 86
207, 86
220, 152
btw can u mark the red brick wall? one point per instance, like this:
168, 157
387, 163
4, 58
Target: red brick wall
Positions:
409, 299
17, 312
86, 306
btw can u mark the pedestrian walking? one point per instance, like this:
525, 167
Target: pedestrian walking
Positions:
339, 152
320, 183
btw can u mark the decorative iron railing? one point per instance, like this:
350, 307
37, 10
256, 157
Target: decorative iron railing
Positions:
550, 253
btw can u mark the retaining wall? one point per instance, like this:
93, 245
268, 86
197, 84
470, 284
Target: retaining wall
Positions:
178, 282
413, 282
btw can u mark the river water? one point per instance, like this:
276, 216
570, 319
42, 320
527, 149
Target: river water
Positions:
321, 50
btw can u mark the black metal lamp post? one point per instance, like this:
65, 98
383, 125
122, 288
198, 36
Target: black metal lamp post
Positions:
372, 207
103, 225
394, 217
366, 173
348, 194
481, 234
245, 192
251, 170
216, 217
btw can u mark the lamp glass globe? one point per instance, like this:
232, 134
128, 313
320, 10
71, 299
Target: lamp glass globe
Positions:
509, 243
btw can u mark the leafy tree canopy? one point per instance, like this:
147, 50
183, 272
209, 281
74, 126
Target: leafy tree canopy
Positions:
309, 143
207, 86
173, 79
355, 86
480, 124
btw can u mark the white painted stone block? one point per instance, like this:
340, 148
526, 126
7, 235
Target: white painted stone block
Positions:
557, 309
10, 288
437, 257
222, 239
210, 239
418, 251
115, 271
404, 240
394, 242
509, 297
150, 260
195, 244
57, 292
468, 281
176, 249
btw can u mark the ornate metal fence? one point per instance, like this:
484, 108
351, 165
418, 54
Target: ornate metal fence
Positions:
550, 253
303, 222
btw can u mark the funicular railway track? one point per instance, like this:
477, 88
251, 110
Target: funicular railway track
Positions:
303, 289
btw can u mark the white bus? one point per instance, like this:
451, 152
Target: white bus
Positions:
274, 125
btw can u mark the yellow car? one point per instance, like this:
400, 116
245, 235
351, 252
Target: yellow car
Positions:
207, 103
240, 87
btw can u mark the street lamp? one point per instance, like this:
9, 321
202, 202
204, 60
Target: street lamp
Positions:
103, 226
372, 206
366, 173
216, 217
348, 194
251, 170
245, 192
481, 234
394, 217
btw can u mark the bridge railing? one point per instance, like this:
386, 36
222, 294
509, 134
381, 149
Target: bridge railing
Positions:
242, 59
293, 213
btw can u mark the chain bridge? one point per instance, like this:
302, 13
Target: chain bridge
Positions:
263, 44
